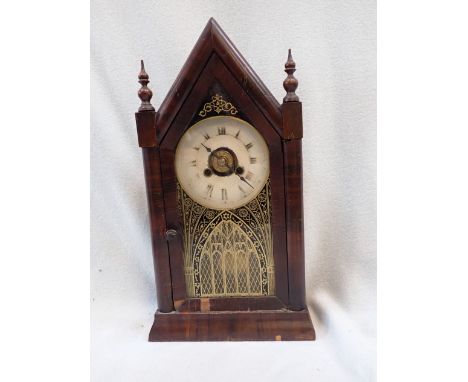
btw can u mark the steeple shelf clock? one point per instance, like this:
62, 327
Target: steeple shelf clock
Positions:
223, 170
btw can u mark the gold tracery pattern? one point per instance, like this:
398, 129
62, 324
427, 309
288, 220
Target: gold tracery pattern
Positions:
229, 252
217, 104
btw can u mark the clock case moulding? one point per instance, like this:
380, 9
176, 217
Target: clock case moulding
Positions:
215, 67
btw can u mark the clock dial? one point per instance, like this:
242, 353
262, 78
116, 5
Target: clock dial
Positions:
222, 162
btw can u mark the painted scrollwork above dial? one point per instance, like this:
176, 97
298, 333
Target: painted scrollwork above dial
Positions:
217, 104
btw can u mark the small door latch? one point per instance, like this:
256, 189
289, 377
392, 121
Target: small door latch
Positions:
170, 234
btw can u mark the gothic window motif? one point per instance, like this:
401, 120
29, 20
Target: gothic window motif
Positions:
228, 252
234, 260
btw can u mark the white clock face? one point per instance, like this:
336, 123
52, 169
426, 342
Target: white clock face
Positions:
222, 162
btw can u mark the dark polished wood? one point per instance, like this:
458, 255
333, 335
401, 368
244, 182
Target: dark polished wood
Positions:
290, 83
233, 326
214, 40
295, 223
231, 303
291, 111
292, 120
154, 192
146, 128
250, 82
144, 93
216, 67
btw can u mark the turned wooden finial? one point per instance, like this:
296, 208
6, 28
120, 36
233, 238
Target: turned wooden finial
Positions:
290, 83
145, 92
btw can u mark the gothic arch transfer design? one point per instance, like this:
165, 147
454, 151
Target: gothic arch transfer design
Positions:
229, 263
228, 253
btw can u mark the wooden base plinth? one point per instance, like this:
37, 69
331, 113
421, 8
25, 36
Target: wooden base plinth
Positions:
233, 326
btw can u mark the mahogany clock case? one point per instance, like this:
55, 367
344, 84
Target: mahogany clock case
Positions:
216, 68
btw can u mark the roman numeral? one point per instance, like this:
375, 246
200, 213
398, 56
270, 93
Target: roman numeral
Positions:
209, 190
237, 134
248, 146
224, 194
221, 130
206, 136
249, 175
242, 190
193, 163
253, 160
196, 148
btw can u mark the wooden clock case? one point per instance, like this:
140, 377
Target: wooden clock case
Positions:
215, 67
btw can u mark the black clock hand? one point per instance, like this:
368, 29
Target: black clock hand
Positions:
244, 180
207, 148
241, 177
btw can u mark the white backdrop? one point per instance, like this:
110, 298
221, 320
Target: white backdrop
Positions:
333, 44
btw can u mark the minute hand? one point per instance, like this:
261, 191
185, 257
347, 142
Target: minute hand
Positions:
244, 180
233, 169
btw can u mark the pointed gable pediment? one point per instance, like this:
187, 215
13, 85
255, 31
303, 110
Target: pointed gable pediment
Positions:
214, 42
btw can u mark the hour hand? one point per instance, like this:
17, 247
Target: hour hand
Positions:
207, 148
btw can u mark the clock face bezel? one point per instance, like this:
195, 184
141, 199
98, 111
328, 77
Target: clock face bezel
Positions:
222, 162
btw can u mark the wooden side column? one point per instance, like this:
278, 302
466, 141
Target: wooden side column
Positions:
146, 128
291, 111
